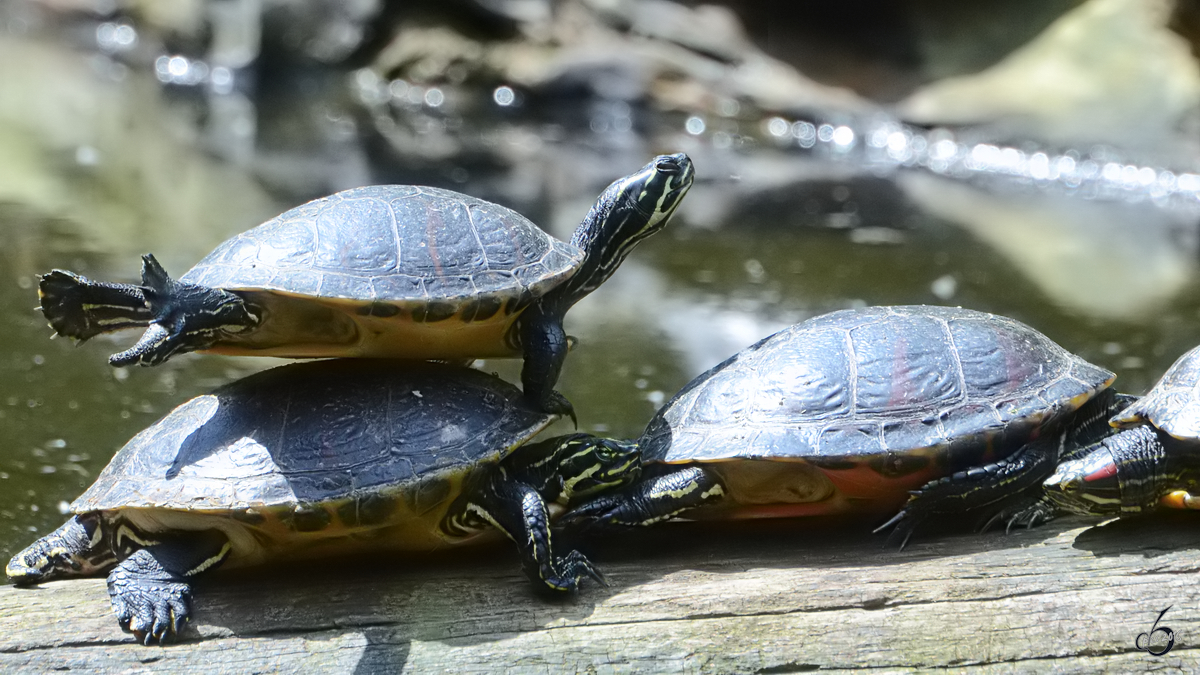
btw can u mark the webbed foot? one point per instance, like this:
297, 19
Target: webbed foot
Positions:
80, 308
149, 600
557, 404
569, 570
1025, 515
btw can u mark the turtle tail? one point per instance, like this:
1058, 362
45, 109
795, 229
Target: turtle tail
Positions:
79, 308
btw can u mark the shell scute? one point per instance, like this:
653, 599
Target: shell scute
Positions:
851, 439
282, 243
904, 363
355, 250
967, 420
398, 286
928, 431
809, 382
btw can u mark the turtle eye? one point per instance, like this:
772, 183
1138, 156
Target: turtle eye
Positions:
668, 165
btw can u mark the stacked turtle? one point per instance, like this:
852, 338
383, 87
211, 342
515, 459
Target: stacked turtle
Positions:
345, 455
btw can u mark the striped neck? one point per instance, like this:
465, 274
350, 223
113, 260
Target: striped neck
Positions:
628, 211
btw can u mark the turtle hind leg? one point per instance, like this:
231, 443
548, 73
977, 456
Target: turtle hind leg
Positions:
151, 591
80, 308
186, 317
983, 491
78, 548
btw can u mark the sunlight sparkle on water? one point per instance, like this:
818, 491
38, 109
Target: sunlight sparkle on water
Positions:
504, 96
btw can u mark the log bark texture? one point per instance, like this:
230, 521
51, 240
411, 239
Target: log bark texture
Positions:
1066, 597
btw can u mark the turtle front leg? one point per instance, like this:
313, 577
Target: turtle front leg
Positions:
519, 511
151, 591
1008, 488
186, 317
649, 501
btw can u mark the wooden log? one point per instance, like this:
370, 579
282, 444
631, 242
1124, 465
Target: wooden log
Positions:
761, 597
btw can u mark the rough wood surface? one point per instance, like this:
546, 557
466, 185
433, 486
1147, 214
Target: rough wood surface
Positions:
1067, 597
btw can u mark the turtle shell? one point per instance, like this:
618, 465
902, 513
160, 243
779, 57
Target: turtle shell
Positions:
1173, 405
400, 244
324, 447
898, 389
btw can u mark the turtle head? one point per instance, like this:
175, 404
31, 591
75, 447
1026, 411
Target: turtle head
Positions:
628, 211
1120, 475
1087, 486
187, 317
588, 465
77, 548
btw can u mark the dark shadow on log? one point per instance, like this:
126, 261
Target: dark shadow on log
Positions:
1150, 535
825, 542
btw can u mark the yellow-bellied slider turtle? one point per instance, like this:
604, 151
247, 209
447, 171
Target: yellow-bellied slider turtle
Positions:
851, 411
319, 458
385, 270
1153, 461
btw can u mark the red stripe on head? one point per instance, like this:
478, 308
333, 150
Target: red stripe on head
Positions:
1107, 471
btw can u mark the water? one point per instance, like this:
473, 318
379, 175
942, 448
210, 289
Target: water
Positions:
768, 237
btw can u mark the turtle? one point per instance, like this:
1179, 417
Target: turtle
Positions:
385, 271
1152, 460
920, 411
342, 456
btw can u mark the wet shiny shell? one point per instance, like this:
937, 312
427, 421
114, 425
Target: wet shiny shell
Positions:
320, 433
399, 246
873, 384
1173, 405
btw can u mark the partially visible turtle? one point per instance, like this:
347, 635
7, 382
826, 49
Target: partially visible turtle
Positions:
956, 412
322, 458
1154, 461
385, 270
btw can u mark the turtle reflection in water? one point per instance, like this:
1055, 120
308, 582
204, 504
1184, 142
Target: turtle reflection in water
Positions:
323, 458
1153, 462
936, 411
387, 271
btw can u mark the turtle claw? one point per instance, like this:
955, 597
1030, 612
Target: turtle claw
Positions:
1029, 516
579, 563
156, 345
586, 516
153, 609
570, 569
557, 404
904, 525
